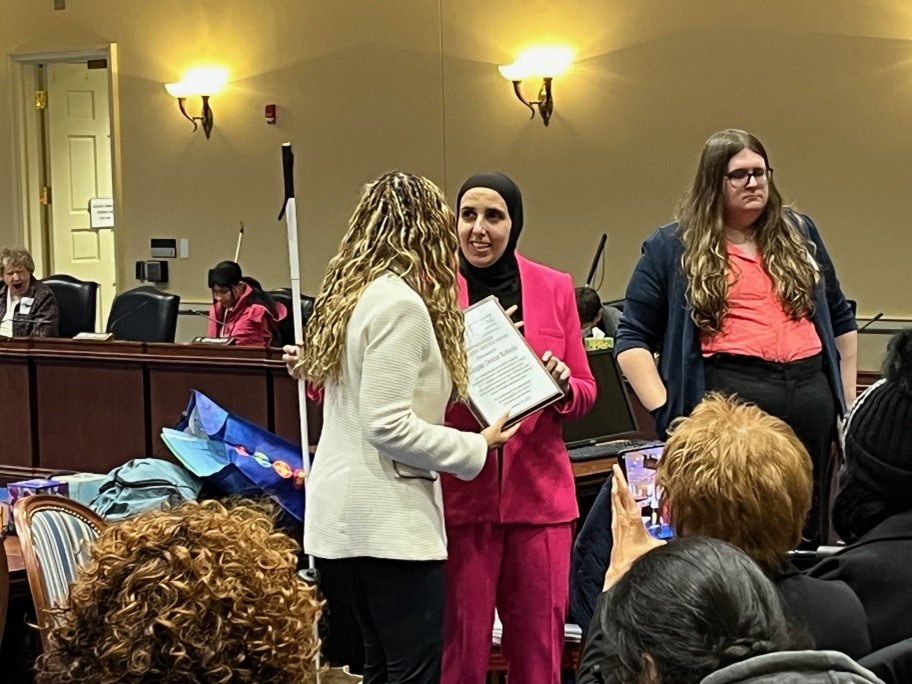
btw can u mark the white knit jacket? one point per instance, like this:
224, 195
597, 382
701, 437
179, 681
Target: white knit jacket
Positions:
374, 489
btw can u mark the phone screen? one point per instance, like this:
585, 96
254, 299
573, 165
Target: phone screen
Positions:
640, 471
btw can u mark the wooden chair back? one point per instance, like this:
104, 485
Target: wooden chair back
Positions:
55, 534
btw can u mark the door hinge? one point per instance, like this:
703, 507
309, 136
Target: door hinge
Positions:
41, 99
44, 194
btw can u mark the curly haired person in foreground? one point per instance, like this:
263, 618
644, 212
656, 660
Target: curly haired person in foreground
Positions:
200, 593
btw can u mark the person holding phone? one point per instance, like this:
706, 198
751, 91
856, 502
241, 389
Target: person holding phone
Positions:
386, 344
733, 472
510, 529
741, 297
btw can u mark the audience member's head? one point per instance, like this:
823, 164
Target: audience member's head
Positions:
17, 267
690, 608
732, 472
589, 307
201, 593
877, 482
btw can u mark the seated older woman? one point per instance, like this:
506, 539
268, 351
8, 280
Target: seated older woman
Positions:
201, 593
698, 610
27, 306
732, 472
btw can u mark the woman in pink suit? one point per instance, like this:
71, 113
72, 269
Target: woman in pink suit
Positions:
510, 529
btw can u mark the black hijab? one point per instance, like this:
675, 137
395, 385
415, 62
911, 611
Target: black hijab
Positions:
501, 278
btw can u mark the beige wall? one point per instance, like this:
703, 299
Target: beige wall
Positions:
363, 86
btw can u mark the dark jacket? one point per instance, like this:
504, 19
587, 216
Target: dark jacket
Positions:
589, 560
36, 313
829, 611
657, 316
878, 568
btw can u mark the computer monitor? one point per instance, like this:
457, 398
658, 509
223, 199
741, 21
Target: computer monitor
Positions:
612, 416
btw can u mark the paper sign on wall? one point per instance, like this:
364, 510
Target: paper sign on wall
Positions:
101, 212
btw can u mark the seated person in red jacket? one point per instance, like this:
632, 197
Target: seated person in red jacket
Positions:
240, 309
27, 306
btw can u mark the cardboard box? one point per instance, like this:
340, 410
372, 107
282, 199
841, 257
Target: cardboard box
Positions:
83, 486
19, 490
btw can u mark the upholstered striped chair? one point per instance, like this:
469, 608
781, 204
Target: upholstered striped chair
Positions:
55, 534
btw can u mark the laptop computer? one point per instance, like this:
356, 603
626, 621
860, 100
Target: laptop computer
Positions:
611, 425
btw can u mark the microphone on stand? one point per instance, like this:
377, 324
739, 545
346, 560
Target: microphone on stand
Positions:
112, 326
595, 260
218, 339
204, 315
873, 319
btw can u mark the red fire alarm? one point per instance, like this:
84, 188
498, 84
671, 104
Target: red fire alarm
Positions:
270, 113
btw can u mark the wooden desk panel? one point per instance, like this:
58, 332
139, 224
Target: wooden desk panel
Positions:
233, 377
16, 439
89, 403
92, 405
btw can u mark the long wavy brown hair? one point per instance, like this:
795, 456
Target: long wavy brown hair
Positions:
201, 593
403, 224
787, 254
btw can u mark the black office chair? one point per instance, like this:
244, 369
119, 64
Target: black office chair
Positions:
616, 303
76, 303
144, 314
286, 325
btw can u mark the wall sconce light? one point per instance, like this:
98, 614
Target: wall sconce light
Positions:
203, 82
542, 62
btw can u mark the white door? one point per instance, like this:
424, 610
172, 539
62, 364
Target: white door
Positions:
79, 147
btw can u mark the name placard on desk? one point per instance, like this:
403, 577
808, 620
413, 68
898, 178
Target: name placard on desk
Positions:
97, 336
221, 341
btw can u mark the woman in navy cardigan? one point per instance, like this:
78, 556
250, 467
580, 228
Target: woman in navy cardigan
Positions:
740, 296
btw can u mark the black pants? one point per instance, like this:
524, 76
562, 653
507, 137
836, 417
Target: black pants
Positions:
399, 608
797, 392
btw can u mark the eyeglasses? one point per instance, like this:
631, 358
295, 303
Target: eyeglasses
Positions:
739, 177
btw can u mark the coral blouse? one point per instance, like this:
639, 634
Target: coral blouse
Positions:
756, 324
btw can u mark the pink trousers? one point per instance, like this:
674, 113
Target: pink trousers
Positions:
523, 571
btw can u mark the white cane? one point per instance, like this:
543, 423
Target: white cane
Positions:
291, 220
237, 250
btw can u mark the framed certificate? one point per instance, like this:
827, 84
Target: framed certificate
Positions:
505, 374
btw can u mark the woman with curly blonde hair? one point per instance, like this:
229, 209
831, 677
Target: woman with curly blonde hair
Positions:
201, 593
386, 343
741, 297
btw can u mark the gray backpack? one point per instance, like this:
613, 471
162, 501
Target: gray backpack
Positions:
143, 484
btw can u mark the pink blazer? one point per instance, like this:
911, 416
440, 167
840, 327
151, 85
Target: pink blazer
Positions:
530, 480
